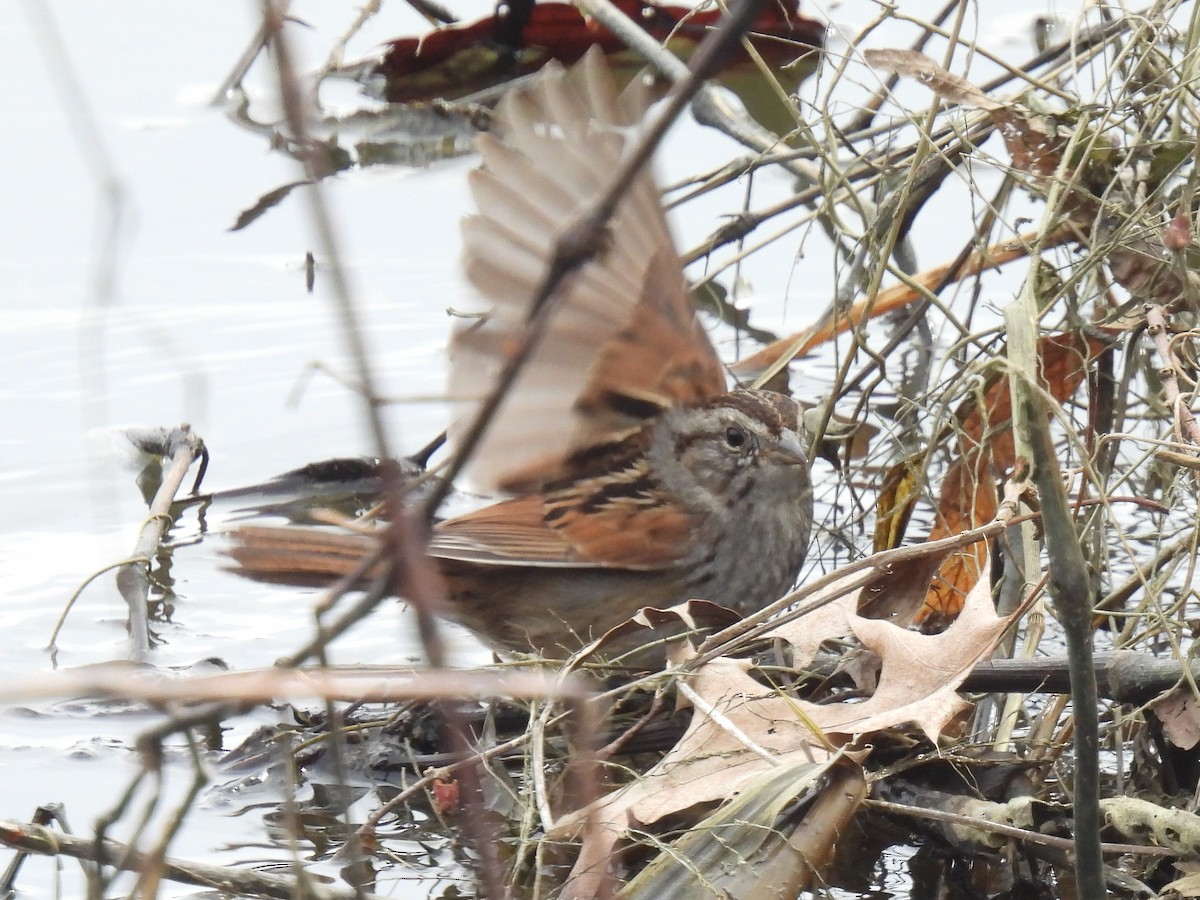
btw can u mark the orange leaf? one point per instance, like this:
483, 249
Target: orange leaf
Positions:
986, 450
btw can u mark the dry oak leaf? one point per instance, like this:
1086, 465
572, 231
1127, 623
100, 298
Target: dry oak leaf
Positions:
740, 728
920, 673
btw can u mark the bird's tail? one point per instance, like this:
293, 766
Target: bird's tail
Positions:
299, 556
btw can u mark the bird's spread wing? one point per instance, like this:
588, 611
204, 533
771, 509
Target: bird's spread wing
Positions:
623, 343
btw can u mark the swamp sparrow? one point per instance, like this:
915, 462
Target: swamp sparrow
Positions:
639, 480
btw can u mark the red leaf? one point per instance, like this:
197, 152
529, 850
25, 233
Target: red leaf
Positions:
461, 59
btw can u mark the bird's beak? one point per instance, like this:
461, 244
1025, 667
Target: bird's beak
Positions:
789, 450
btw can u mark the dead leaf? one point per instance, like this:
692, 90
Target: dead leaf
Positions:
985, 450
947, 85
743, 850
897, 497
899, 594
1179, 712
464, 58
921, 673
741, 728
445, 796
653, 632
265, 202
1031, 140
1036, 141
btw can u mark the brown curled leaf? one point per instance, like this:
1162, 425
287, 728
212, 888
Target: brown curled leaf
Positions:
986, 450
947, 85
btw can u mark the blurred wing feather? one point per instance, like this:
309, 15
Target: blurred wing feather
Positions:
623, 342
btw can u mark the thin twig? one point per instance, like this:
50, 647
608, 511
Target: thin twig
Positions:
133, 579
33, 838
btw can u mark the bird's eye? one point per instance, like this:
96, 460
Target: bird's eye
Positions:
735, 437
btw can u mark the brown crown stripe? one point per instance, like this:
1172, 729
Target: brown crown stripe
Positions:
763, 406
